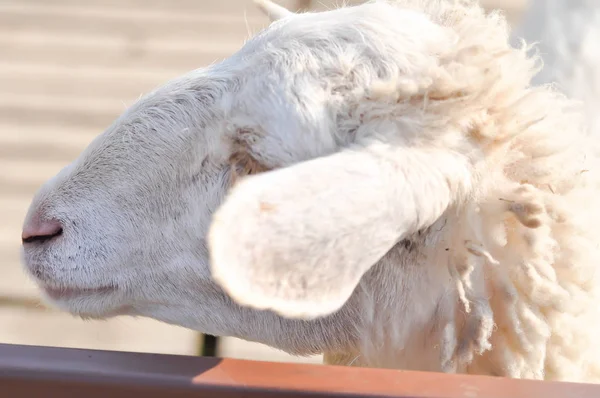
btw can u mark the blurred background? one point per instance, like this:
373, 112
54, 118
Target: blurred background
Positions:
67, 69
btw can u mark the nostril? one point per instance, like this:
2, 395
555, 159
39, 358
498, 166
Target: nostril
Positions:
42, 231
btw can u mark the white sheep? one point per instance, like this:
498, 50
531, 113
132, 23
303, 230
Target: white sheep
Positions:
568, 32
377, 183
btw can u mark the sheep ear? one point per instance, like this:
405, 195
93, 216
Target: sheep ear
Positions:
272, 10
298, 240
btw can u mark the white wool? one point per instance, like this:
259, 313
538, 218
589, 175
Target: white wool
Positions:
566, 33
378, 183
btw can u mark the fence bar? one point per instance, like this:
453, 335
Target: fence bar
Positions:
32, 372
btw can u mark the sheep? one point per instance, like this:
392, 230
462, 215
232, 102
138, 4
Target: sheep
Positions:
381, 184
567, 31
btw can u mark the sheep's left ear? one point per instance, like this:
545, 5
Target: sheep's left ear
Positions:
273, 11
298, 240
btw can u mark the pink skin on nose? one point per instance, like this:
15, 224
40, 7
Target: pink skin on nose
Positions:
36, 227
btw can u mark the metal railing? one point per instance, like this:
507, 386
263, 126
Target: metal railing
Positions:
32, 372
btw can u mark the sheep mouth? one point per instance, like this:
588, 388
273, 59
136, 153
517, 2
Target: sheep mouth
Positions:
66, 293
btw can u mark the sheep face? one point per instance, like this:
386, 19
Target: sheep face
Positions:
251, 198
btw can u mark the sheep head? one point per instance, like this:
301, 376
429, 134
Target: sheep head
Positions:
252, 197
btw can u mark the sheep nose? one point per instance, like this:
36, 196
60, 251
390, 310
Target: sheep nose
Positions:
37, 230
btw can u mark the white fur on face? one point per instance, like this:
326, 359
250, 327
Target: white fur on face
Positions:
406, 178
137, 204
